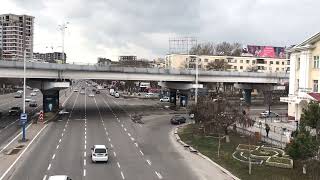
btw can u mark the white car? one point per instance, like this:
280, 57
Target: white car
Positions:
165, 99
59, 177
35, 90
20, 91
28, 98
75, 90
91, 95
33, 94
266, 114
99, 153
116, 95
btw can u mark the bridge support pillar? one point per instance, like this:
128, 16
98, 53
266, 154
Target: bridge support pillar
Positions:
173, 96
50, 100
247, 95
184, 98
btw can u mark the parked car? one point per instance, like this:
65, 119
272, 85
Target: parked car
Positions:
75, 90
35, 90
149, 95
33, 103
178, 119
82, 92
97, 92
15, 111
33, 94
91, 95
20, 91
28, 98
116, 95
18, 95
59, 177
266, 114
99, 153
165, 99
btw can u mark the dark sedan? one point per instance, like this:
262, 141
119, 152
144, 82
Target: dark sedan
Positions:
178, 119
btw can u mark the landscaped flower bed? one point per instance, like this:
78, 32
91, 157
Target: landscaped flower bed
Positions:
280, 162
246, 147
243, 157
263, 154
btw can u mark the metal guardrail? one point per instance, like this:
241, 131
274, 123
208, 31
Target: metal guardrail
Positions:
268, 140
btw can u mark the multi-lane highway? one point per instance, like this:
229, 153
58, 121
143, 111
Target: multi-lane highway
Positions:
135, 151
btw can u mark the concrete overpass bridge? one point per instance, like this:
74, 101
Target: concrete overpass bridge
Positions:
50, 77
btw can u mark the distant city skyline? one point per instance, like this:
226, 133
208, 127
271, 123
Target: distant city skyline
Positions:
114, 28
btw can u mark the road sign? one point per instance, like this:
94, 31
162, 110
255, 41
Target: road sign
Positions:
41, 116
23, 118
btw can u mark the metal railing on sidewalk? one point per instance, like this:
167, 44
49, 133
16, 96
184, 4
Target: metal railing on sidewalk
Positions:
265, 139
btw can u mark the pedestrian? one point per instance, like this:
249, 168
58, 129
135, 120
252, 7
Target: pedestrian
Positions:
267, 129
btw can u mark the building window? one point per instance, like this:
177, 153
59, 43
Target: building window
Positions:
205, 60
235, 61
277, 69
270, 68
248, 61
253, 61
316, 62
277, 62
282, 62
234, 67
241, 61
298, 65
241, 67
282, 69
271, 62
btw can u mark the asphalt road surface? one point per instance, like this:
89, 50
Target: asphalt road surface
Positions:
136, 151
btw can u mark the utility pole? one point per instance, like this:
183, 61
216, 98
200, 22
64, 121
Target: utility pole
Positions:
24, 95
62, 28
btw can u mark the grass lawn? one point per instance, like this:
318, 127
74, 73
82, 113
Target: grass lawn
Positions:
209, 146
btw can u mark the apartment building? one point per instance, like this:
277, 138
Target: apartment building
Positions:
54, 57
16, 35
304, 76
235, 63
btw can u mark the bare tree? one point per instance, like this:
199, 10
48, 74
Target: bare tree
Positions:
223, 48
219, 65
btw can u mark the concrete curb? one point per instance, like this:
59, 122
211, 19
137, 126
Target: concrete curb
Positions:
193, 150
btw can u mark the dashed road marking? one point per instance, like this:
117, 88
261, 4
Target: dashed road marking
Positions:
121, 125
61, 134
49, 167
85, 146
44, 177
53, 156
149, 162
158, 174
111, 145
141, 153
122, 175
84, 172
109, 139
132, 139
129, 134
60, 140
125, 129
115, 154
58, 146
84, 162
84, 154
118, 165
136, 144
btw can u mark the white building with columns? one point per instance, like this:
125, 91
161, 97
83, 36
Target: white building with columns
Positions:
304, 76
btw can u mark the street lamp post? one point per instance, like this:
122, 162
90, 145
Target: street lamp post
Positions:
197, 78
62, 28
24, 95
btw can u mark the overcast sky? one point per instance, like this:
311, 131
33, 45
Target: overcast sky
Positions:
109, 28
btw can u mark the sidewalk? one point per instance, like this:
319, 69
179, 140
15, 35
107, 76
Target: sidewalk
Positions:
12, 151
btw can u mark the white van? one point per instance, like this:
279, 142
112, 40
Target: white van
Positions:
149, 95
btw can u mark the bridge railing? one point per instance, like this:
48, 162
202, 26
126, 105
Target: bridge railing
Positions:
112, 68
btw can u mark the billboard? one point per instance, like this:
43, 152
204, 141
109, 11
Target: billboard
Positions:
265, 51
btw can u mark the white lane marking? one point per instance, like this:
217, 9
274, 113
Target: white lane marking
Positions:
118, 165
129, 134
132, 139
125, 129
85, 141
105, 128
118, 120
14, 139
59, 140
85, 132
53, 156
107, 132
85, 129
149, 162
85, 137
114, 153
66, 99
64, 129
58, 146
49, 167
158, 174
84, 172
44, 177
111, 145
84, 162
141, 153
84, 154
140, 125
122, 175
136, 144
85, 146
121, 125
109, 139
61, 134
